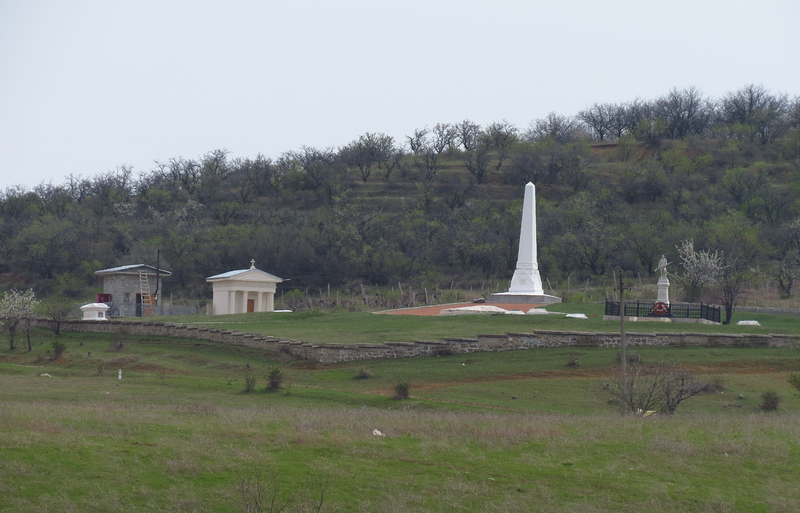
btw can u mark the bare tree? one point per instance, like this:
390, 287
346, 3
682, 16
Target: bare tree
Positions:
598, 118
58, 309
794, 113
785, 247
184, 172
659, 387
787, 272
477, 160
418, 141
555, 127
736, 240
322, 169
617, 120
757, 113
262, 174
686, 112
444, 137
395, 161
469, 134
427, 162
731, 281
634, 113
368, 151
501, 134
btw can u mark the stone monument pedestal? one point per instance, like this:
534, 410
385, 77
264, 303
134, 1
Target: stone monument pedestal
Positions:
663, 290
523, 298
95, 312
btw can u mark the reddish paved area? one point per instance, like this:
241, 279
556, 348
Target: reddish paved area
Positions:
434, 310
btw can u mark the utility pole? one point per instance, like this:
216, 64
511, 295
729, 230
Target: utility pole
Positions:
622, 343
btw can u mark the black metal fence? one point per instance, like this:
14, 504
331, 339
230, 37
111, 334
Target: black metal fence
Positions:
676, 310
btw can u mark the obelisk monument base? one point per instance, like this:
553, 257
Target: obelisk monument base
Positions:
523, 298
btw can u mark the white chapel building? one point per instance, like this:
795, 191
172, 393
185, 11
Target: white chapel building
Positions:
244, 291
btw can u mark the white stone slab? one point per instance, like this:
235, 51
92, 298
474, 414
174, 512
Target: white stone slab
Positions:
482, 309
538, 311
577, 316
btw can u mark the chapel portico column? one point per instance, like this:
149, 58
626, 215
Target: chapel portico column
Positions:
231, 306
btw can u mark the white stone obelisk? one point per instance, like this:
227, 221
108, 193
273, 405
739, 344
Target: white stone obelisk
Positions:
526, 284
526, 279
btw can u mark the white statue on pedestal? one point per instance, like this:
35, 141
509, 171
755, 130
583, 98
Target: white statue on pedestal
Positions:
663, 281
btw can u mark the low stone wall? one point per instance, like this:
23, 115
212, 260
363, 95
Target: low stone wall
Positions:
333, 353
767, 310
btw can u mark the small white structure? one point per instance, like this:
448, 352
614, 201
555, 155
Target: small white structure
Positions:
477, 309
95, 312
244, 291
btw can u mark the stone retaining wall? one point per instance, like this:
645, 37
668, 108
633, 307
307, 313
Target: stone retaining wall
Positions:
333, 353
767, 310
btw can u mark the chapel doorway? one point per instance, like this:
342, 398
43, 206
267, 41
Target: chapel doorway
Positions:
251, 305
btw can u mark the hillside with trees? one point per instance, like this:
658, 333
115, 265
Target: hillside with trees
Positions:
617, 186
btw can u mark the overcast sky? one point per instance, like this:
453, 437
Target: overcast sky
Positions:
89, 85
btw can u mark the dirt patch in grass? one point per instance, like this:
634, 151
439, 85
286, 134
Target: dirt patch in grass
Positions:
749, 367
584, 374
121, 361
154, 367
743, 367
4, 358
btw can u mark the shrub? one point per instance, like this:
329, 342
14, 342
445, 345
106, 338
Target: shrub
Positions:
275, 378
794, 380
632, 357
363, 373
249, 382
770, 400
716, 385
401, 391
58, 349
573, 362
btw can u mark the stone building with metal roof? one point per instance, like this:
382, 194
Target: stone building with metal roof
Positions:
131, 290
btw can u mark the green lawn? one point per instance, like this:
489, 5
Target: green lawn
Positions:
371, 328
502, 431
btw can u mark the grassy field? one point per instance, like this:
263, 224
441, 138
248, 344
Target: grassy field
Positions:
506, 431
370, 328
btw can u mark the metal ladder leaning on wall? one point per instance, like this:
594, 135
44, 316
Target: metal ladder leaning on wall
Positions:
147, 297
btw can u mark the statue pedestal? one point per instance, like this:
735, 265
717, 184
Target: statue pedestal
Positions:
523, 298
663, 290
